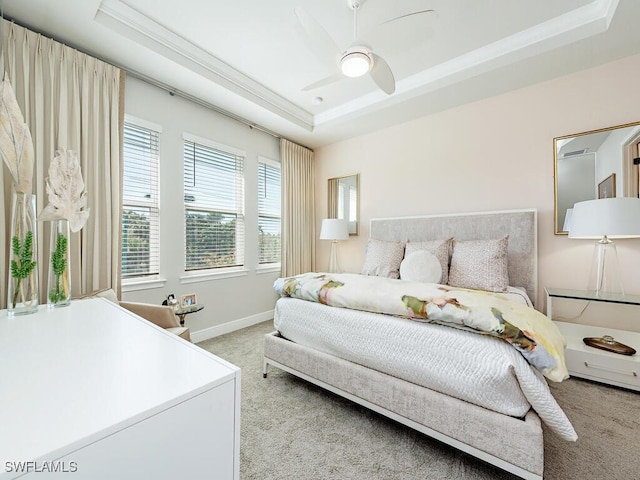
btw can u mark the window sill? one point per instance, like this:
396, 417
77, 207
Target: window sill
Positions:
268, 268
133, 285
218, 275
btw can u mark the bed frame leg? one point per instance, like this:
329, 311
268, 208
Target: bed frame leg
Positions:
265, 368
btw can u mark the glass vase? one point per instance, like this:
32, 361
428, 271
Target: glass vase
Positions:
59, 279
22, 291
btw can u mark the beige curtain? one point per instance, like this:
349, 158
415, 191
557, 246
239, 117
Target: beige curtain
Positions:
333, 193
69, 100
298, 210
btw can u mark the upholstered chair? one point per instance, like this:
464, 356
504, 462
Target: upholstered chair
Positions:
161, 315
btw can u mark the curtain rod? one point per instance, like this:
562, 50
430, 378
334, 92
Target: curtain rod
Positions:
187, 96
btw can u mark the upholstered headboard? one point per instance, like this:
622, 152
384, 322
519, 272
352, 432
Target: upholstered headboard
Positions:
520, 225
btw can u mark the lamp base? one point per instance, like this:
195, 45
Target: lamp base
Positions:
605, 269
334, 267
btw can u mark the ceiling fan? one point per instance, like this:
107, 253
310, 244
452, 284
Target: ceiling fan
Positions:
356, 60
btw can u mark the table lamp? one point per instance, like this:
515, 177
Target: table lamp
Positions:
334, 229
606, 219
567, 220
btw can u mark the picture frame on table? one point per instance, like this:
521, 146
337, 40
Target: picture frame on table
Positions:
188, 300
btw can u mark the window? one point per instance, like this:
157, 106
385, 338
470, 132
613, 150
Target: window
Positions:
140, 201
268, 211
353, 203
213, 202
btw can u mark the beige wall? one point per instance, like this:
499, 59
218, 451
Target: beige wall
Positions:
494, 154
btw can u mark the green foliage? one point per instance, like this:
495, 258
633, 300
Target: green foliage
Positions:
59, 255
268, 247
136, 232
210, 240
21, 265
59, 265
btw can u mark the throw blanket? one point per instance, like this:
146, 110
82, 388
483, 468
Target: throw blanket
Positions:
534, 335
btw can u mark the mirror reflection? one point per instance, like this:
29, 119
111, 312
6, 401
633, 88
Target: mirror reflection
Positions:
596, 164
343, 200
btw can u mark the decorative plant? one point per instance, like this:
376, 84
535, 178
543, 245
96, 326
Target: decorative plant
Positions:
23, 264
16, 150
65, 191
16, 145
67, 201
59, 264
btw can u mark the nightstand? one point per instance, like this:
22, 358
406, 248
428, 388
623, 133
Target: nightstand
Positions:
593, 363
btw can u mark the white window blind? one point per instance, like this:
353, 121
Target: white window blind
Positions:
213, 201
140, 202
269, 211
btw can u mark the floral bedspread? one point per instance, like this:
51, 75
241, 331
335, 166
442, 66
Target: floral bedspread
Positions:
534, 335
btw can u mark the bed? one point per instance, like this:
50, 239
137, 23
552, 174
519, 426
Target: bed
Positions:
506, 406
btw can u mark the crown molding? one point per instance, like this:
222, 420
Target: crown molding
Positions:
136, 26
578, 24
572, 26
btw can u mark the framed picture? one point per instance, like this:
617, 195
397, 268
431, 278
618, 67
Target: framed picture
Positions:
188, 300
607, 187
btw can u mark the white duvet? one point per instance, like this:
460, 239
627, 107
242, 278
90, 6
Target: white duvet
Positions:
476, 368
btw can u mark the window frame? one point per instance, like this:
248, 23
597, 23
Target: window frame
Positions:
272, 163
197, 274
154, 206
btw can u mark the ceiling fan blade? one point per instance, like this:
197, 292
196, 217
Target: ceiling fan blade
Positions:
336, 77
408, 15
398, 27
382, 75
316, 37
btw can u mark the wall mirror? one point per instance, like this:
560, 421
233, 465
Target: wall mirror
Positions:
343, 200
595, 164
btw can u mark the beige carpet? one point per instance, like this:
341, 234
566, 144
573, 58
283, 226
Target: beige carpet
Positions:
294, 430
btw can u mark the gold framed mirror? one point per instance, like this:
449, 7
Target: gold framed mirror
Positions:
343, 193
595, 164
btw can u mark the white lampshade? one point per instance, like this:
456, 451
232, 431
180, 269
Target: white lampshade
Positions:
604, 219
617, 217
334, 229
567, 220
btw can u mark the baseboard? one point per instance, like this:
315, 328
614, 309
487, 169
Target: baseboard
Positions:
216, 331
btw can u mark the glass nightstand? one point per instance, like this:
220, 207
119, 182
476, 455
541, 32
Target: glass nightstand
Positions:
592, 363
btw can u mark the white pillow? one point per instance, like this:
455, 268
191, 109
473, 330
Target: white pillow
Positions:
480, 265
421, 266
383, 259
440, 248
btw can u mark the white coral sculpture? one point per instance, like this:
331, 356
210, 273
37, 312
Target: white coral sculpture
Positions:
65, 190
16, 145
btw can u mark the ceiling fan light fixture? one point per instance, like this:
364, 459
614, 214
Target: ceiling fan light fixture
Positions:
355, 63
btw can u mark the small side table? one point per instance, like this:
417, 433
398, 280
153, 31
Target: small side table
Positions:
182, 312
592, 363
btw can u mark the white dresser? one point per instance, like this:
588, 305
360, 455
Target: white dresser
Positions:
91, 391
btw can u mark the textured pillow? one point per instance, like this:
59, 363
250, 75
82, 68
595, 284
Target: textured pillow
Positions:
439, 248
421, 266
480, 265
383, 259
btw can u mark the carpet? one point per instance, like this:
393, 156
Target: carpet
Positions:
291, 429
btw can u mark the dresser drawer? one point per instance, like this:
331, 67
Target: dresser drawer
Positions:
611, 368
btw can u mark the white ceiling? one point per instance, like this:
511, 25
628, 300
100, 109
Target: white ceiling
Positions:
248, 57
